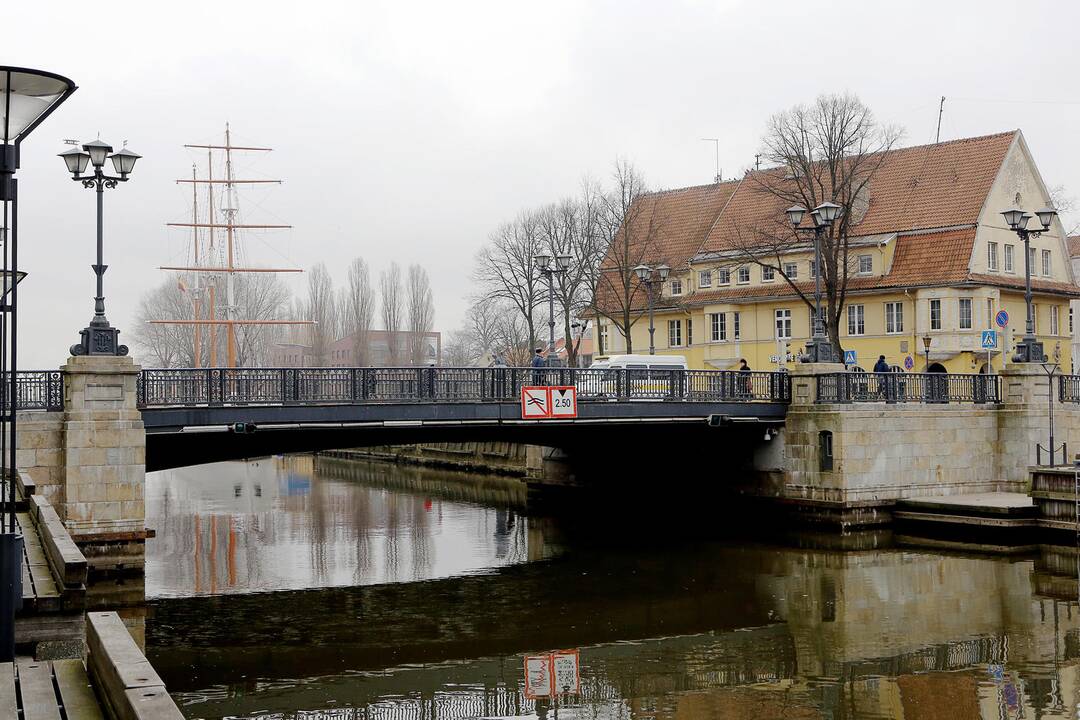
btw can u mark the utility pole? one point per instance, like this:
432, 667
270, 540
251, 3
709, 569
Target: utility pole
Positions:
716, 143
941, 110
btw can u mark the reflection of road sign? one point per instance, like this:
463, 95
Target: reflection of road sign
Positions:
1002, 318
908, 363
534, 402
850, 358
989, 339
564, 402
566, 671
537, 676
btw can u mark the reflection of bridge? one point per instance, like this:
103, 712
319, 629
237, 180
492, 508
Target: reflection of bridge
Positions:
192, 416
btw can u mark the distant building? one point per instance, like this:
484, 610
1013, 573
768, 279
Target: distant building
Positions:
584, 348
342, 352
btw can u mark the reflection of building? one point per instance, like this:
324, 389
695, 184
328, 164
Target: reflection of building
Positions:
382, 349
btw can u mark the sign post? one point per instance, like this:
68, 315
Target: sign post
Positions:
1002, 321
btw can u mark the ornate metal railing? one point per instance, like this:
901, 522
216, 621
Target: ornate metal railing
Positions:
35, 389
1069, 388
850, 387
303, 386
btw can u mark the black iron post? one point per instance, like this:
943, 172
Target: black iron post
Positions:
38, 94
551, 316
819, 349
652, 326
1029, 349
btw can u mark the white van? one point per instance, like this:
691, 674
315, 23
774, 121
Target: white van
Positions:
649, 376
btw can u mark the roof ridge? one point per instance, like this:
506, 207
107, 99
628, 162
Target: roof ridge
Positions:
668, 191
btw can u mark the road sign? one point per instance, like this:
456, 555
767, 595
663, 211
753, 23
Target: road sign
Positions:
538, 678
1002, 318
535, 403
563, 402
989, 339
909, 363
850, 357
566, 671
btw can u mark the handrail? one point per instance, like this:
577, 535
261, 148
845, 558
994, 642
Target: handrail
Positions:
1069, 388
35, 390
891, 387
311, 386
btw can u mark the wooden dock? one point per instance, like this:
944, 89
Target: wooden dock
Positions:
116, 683
991, 510
53, 576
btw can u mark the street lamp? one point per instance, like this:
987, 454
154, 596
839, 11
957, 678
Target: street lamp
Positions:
926, 348
650, 277
544, 266
1029, 349
27, 97
99, 338
818, 349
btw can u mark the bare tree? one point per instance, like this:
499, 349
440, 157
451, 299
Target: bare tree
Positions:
630, 227
481, 322
164, 346
321, 311
505, 272
259, 296
512, 337
459, 350
421, 308
392, 310
360, 310
829, 151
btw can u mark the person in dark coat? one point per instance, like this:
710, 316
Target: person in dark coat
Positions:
883, 382
881, 366
538, 362
746, 384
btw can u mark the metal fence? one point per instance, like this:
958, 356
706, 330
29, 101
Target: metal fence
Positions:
35, 390
1069, 388
303, 386
850, 387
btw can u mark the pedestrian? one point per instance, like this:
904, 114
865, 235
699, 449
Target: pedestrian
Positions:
746, 384
538, 363
882, 368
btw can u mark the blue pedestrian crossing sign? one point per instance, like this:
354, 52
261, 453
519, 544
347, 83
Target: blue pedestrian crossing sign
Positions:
850, 358
989, 339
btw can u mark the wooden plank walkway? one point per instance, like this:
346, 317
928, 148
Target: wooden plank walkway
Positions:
55, 690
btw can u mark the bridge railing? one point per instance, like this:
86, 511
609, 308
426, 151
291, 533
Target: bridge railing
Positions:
1069, 388
301, 386
852, 387
35, 390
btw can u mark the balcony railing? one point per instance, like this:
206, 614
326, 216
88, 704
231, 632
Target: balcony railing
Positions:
312, 386
35, 390
852, 387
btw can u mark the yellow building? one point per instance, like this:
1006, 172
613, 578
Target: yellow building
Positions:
930, 257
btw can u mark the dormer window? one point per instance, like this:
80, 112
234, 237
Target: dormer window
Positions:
704, 279
866, 264
676, 287
723, 276
744, 275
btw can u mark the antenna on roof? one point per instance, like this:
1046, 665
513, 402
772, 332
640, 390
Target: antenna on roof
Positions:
716, 143
941, 109
757, 161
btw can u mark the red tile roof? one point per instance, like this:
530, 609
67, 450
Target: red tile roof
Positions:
1074, 246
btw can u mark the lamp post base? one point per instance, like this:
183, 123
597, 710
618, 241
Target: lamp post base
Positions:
819, 350
1029, 350
11, 553
99, 340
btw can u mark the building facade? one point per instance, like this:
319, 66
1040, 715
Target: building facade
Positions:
930, 258
383, 349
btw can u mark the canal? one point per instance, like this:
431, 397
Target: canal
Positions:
307, 587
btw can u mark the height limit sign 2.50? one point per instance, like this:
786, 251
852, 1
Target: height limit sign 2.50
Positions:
547, 403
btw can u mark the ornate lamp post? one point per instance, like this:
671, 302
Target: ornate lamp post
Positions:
27, 97
544, 266
818, 349
651, 277
99, 338
926, 348
1028, 349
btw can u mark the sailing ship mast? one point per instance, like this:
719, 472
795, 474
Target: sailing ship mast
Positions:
209, 265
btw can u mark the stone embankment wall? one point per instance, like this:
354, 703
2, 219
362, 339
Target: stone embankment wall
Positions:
502, 458
885, 452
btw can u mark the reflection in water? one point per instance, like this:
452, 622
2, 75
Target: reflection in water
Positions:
433, 587
274, 524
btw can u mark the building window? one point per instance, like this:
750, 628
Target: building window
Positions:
744, 275
810, 317
894, 317
689, 331
1035, 317
1031, 260
991, 256
768, 273
676, 287
1054, 330
1046, 263
735, 334
674, 333
718, 325
1070, 321
704, 279
856, 320
783, 324
813, 269
1010, 266
866, 264
965, 313
603, 339
723, 276
791, 270
935, 314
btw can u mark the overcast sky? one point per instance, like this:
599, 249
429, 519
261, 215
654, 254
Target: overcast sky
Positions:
407, 131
